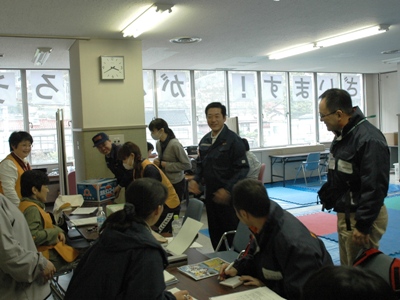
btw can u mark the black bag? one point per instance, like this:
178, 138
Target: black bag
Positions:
385, 266
326, 196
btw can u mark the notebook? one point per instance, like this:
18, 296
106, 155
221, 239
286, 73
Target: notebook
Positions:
232, 282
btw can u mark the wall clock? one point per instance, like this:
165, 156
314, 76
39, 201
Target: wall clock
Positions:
112, 67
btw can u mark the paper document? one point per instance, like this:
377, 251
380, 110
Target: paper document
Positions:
169, 278
174, 290
232, 282
84, 211
261, 293
84, 221
185, 237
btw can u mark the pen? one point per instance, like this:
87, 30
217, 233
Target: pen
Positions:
230, 266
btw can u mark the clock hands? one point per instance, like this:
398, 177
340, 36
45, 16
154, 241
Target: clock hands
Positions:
112, 68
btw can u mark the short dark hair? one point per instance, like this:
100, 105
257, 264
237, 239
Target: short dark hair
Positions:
150, 146
336, 99
142, 196
159, 123
251, 196
126, 150
17, 137
217, 105
32, 178
346, 283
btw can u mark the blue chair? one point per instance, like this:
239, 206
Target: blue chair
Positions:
194, 209
240, 241
311, 164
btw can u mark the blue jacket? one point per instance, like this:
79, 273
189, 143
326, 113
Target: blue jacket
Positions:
223, 163
360, 160
284, 254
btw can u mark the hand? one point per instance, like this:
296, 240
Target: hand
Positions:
157, 162
183, 295
194, 187
223, 272
61, 237
222, 196
49, 271
248, 280
117, 190
360, 238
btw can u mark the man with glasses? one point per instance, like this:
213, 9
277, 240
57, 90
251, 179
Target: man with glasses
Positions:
110, 150
358, 175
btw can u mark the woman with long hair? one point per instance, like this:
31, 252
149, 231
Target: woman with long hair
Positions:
127, 262
172, 158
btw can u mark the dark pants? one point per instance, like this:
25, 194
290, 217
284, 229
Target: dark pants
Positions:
221, 218
180, 188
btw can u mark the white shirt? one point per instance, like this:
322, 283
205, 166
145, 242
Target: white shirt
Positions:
8, 178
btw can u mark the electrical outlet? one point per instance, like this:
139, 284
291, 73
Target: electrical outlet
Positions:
117, 139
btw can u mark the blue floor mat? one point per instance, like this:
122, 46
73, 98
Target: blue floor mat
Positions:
292, 196
390, 242
205, 232
333, 249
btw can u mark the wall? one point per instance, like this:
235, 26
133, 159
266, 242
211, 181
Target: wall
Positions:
115, 107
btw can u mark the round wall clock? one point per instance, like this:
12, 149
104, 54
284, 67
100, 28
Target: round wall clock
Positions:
112, 67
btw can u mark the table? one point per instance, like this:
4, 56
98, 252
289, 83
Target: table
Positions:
204, 288
286, 158
89, 232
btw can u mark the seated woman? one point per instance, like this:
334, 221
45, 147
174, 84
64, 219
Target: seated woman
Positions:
14, 165
127, 262
132, 158
49, 239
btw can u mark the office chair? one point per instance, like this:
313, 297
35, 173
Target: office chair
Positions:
194, 210
261, 174
240, 241
311, 164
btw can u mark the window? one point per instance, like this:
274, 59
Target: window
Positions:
46, 91
302, 108
274, 108
243, 103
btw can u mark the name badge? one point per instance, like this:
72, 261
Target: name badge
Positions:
272, 275
331, 162
345, 167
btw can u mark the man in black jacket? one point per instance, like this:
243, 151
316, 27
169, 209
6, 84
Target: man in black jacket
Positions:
283, 252
358, 174
110, 150
221, 163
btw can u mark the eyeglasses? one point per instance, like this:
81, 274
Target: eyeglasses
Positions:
323, 116
26, 146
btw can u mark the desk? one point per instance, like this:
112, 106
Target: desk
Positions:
87, 230
204, 288
285, 158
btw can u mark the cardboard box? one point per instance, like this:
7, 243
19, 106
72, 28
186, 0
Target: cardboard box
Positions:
97, 189
392, 138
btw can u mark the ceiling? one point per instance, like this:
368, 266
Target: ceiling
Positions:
236, 34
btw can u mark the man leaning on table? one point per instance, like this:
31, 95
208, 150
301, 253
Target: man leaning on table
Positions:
358, 175
283, 252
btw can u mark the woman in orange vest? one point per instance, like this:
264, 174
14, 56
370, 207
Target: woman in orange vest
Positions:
49, 239
12, 167
132, 159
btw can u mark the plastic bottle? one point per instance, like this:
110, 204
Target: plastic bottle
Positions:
101, 217
176, 225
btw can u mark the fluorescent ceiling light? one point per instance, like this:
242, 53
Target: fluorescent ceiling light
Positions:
391, 60
342, 38
41, 55
351, 36
292, 51
152, 16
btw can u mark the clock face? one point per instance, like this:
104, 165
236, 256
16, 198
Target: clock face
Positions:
112, 67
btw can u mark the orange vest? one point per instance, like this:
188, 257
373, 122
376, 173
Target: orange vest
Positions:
20, 172
173, 199
68, 253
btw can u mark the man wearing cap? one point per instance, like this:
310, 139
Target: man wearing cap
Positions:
110, 150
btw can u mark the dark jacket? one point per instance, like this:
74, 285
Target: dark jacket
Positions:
124, 177
284, 254
121, 265
362, 163
223, 163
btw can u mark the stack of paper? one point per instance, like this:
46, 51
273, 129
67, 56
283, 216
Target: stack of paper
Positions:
260, 293
84, 221
169, 278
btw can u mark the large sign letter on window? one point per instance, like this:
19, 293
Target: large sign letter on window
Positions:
47, 87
